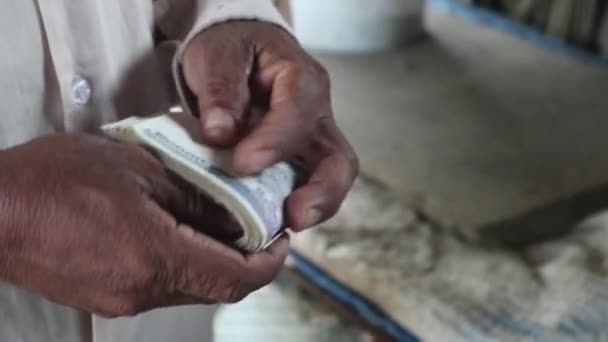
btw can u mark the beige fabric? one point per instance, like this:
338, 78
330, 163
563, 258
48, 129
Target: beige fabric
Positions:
49, 51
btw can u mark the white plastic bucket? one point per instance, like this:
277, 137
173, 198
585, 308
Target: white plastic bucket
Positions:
357, 25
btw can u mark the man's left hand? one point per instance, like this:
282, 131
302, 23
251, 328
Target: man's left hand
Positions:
259, 91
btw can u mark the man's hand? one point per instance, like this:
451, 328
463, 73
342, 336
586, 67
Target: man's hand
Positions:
85, 222
259, 90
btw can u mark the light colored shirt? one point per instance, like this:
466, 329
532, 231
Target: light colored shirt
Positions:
72, 65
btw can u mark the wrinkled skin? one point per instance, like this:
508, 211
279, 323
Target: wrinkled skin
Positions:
102, 227
258, 90
90, 227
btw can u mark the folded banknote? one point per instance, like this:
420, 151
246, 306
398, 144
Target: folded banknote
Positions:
255, 201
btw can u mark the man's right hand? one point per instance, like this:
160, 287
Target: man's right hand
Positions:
85, 222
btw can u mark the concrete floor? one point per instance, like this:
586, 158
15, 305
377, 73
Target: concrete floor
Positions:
471, 126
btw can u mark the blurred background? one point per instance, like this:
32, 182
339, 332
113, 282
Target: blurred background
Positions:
481, 128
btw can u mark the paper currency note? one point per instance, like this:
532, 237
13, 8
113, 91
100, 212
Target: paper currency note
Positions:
256, 201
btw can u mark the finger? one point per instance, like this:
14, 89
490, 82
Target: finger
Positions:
278, 137
284, 129
264, 266
199, 211
221, 273
184, 201
320, 198
218, 74
179, 197
149, 174
298, 102
219, 224
134, 157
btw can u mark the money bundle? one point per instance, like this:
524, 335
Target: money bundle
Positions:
255, 201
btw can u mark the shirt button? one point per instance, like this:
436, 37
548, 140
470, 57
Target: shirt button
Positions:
81, 90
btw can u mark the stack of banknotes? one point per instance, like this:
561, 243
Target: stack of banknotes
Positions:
255, 201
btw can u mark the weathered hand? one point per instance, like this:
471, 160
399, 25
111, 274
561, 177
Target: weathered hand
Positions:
86, 222
259, 90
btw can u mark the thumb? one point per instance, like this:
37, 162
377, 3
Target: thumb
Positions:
217, 69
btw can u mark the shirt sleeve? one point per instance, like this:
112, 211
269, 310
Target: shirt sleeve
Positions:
181, 20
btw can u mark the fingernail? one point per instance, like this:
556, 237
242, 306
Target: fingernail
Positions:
312, 218
218, 121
